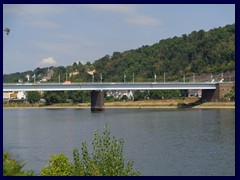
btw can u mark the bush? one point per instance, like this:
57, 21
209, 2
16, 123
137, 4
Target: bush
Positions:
107, 159
12, 167
59, 166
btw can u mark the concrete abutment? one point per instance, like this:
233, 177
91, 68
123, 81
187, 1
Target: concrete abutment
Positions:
214, 95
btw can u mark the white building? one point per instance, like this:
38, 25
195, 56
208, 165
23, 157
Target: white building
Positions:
21, 95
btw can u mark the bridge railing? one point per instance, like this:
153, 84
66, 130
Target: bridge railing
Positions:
113, 83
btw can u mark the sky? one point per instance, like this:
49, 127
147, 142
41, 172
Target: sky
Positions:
43, 35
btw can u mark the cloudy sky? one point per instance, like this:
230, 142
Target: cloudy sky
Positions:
58, 35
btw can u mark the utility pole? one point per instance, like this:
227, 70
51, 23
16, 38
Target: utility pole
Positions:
124, 76
59, 78
101, 77
164, 77
184, 78
155, 77
133, 78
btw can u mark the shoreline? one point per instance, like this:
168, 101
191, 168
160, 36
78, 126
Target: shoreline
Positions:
147, 104
125, 107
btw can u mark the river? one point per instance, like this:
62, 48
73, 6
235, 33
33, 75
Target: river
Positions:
162, 142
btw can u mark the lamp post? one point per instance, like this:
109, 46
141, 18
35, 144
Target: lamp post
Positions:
164, 77
194, 77
124, 78
59, 78
133, 77
101, 77
155, 78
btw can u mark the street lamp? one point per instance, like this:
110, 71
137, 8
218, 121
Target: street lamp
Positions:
155, 77
101, 77
124, 77
194, 77
133, 77
164, 78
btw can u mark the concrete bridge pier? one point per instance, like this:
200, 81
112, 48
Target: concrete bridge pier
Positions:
97, 100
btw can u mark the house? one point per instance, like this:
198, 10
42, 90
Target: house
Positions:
14, 95
120, 94
195, 93
48, 76
6, 96
21, 95
73, 73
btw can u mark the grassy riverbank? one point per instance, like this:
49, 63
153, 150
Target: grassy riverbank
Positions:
174, 103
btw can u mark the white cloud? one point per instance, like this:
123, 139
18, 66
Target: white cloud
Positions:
142, 20
48, 61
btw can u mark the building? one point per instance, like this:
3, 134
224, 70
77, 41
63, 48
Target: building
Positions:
20, 95
120, 94
73, 73
48, 76
195, 93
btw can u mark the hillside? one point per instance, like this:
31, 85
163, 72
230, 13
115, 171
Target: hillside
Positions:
202, 53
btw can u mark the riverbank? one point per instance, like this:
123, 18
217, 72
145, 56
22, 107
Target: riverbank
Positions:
178, 103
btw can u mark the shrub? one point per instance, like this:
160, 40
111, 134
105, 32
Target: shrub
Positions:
12, 167
59, 166
106, 159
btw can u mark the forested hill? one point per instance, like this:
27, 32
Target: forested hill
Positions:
199, 52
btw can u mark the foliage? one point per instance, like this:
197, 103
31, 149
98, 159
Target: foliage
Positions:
124, 98
54, 97
79, 96
33, 96
12, 167
231, 95
106, 159
59, 166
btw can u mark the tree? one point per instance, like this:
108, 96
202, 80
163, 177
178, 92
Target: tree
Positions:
106, 159
33, 97
55, 97
12, 167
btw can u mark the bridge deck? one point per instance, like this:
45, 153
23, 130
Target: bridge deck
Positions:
106, 86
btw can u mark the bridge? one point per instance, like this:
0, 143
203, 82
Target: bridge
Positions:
210, 91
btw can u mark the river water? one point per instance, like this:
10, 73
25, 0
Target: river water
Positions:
162, 142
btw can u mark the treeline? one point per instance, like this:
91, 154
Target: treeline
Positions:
53, 97
198, 52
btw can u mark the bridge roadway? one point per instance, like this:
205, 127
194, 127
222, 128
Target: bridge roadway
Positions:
107, 86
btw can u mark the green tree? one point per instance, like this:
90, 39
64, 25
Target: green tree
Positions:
12, 167
33, 96
52, 97
59, 166
106, 159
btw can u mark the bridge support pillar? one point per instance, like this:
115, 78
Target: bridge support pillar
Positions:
216, 94
97, 100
